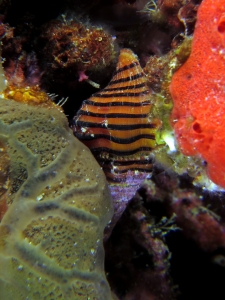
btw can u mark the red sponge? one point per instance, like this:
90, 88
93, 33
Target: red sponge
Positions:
198, 91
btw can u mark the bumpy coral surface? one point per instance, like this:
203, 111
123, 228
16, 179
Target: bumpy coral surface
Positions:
31, 95
4, 178
76, 45
198, 92
58, 205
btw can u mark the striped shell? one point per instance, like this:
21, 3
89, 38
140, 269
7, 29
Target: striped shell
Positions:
115, 124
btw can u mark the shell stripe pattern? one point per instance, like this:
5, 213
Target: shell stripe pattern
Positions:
114, 123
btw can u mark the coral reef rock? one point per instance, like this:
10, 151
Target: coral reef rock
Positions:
70, 44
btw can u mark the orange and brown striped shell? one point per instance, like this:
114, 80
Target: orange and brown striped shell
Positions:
115, 124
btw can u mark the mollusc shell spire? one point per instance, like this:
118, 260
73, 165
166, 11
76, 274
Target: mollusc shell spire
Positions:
115, 124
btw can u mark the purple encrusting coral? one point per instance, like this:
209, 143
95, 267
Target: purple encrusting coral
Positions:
166, 240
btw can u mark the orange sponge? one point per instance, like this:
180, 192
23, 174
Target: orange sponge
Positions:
198, 91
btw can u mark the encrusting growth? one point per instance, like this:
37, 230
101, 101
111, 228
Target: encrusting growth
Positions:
57, 207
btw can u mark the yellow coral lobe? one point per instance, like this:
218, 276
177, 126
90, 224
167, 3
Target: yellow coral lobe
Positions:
29, 95
51, 235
